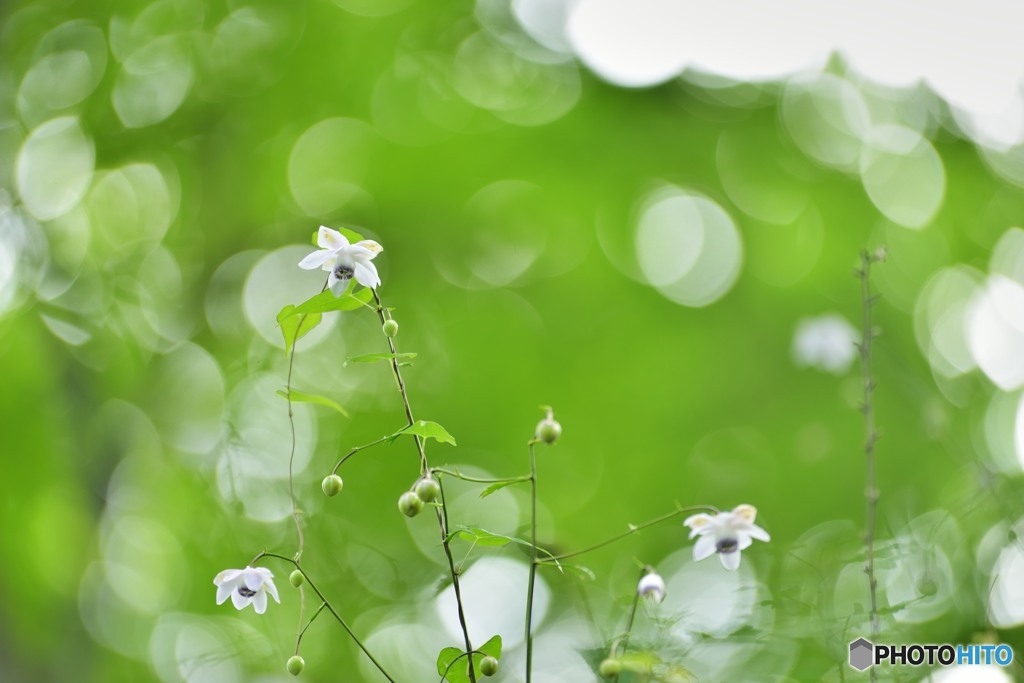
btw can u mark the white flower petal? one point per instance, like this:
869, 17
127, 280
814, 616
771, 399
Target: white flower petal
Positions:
652, 586
704, 547
253, 579
259, 602
272, 589
745, 513
366, 274
367, 248
317, 259
699, 524
226, 575
743, 539
239, 601
758, 533
224, 591
330, 239
730, 561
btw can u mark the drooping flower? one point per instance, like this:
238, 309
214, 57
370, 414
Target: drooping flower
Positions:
343, 260
827, 342
725, 533
244, 586
651, 586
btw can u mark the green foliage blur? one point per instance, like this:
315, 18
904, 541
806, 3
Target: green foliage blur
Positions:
164, 166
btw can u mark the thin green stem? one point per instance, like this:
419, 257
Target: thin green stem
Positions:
629, 624
478, 480
632, 530
356, 449
396, 370
442, 519
296, 515
533, 561
442, 510
871, 493
330, 608
461, 655
298, 639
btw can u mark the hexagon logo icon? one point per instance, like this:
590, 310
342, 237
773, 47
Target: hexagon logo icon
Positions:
861, 654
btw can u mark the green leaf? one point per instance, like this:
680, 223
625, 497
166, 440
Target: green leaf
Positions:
374, 357
426, 430
430, 430
492, 647
294, 328
300, 397
497, 487
486, 538
445, 667
458, 671
325, 301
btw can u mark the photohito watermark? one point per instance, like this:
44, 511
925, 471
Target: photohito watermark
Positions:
864, 654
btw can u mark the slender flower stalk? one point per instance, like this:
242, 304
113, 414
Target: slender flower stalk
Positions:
442, 509
533, 560
624, 638
296, 514
298, 641
330, 608
871, 435
633, 528
355, 450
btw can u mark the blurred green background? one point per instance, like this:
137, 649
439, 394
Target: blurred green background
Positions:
669, 267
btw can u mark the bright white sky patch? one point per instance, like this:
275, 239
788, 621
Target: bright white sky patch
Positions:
969, 53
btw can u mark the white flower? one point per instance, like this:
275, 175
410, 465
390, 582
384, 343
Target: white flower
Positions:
344, 260
246, 585
827, 343
726, 533
652, 586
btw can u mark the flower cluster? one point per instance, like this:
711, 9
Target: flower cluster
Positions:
725, 533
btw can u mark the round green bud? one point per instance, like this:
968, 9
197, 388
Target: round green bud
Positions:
928, 587
410, 504
548, 430
427, 489
296, 578
332, 485
610, 667
488, 666
390, 328
295, 665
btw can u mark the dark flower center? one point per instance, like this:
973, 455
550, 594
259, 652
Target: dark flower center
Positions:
727, 545
343, 272
245, 592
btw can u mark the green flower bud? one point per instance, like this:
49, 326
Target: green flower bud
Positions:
927, 587
488, 666
410, 504
390, 328
295, 665
332, 485
610, 667
427, 489
296, 578
548, 429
